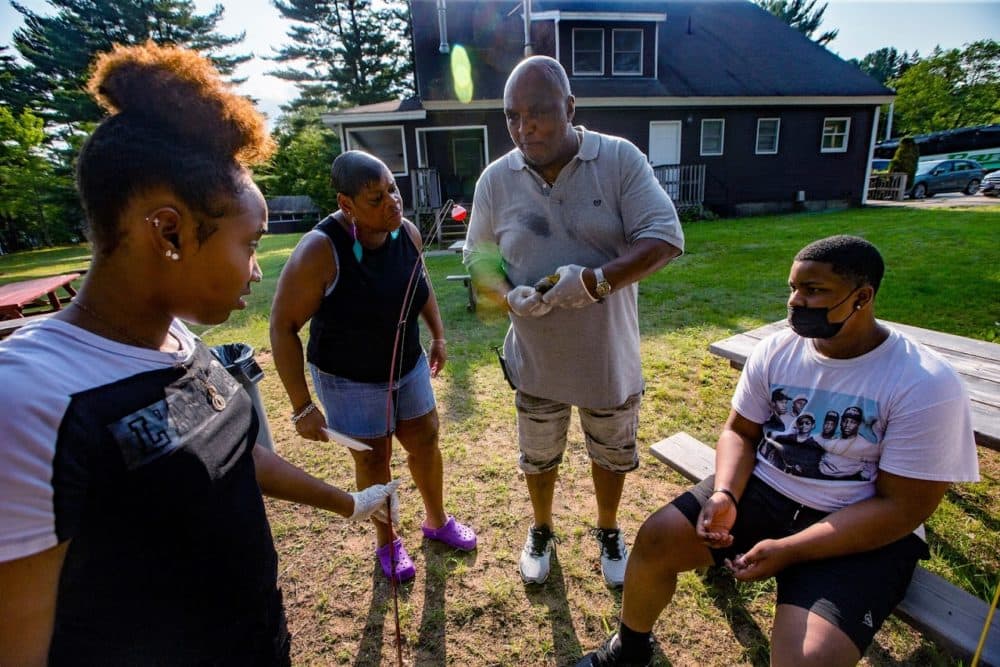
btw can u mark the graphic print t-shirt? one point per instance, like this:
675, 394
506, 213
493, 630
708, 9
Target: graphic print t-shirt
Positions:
899, 408
120, 451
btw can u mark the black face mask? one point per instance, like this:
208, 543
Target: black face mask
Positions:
813, 323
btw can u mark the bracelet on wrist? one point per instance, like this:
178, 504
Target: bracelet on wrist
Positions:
301, 414
438, 340
727, 492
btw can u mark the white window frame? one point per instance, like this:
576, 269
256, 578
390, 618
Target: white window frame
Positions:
777, 136
846, 134
722, 136
642, 36
577, 72
349, 133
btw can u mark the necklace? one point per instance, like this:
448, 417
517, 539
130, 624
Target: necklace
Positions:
217, 400
131, 339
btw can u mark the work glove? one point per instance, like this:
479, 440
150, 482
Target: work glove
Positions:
526, 301
569, 291
370, 503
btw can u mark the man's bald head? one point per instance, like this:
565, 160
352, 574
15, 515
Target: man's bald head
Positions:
548, 68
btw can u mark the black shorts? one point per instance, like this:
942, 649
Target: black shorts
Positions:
856, 592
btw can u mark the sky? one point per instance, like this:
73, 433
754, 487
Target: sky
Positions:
864, 25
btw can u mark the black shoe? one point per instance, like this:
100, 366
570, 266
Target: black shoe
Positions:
609, 655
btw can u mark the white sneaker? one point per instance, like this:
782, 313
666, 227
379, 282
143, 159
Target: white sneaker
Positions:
614, 555
535, 556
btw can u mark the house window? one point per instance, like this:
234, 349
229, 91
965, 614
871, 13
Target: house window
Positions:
385, 143
626, 52
835, 134
712, 131
588, 51
767, 135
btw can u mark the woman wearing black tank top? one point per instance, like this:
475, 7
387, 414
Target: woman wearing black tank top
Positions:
359, 277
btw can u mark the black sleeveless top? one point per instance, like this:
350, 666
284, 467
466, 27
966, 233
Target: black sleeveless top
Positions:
353, 331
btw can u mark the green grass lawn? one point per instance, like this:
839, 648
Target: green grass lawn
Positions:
943, 272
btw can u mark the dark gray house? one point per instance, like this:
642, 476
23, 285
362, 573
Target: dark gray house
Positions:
762, 118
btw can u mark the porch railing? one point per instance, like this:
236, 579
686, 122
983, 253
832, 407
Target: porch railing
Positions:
887, 187
685, 183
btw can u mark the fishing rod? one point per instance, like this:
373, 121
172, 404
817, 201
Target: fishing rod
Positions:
458, 213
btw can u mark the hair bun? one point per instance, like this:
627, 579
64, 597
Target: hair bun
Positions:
180, 91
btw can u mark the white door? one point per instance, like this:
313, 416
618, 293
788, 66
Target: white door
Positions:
664, 142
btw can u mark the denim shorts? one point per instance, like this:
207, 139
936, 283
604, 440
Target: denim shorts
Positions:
358, 409
855, 592
610, 433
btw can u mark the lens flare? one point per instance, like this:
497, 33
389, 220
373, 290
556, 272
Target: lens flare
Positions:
461, 74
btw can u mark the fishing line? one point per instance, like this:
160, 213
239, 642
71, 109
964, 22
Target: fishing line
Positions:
393, 388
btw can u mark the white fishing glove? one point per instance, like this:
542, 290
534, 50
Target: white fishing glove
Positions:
526, 301
569, 291
370, 503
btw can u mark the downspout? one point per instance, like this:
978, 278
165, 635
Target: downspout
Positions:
528, 50
443, 26
871, 154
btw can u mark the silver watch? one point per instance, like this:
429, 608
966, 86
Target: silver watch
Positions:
603, 286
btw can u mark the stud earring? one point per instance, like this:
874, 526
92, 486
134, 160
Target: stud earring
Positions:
172, 254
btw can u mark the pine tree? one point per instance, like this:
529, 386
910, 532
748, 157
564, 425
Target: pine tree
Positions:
345, 52
59, 46
13, 94
886, 63
55, 52
801, 15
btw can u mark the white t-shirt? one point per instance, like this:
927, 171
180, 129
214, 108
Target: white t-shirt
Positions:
899, 408
41, 368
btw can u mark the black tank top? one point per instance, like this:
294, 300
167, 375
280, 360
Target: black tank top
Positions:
353, 331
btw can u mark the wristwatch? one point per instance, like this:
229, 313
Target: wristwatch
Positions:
603, 287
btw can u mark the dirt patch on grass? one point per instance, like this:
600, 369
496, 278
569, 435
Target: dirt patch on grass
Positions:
473, 609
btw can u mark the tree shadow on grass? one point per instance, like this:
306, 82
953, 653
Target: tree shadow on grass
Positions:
379, 619
552, 594
440, 561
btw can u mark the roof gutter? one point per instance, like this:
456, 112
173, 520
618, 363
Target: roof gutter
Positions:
707, 101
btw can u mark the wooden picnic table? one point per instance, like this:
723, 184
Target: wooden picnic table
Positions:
977, 363
14, 297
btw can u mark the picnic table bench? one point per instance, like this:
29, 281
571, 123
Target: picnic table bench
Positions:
15, 297
7, 327
941, 611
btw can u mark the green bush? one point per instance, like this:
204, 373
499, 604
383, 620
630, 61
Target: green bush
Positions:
905, 159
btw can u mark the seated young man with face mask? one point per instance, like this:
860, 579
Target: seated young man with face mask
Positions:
841, 547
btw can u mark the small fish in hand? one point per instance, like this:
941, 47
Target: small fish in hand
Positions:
547, 283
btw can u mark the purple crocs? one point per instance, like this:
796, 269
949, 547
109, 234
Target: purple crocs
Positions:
452, 533
404, 566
